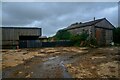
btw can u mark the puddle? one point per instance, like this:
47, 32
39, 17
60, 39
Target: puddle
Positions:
52, 58
65, 72
57, 61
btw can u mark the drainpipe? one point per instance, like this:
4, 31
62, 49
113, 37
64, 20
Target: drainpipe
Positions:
94, 29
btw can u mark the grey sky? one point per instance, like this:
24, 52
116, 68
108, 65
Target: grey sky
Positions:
56, 15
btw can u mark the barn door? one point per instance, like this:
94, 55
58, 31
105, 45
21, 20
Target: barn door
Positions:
100, 36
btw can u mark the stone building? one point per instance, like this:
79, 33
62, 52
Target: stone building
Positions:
101, 29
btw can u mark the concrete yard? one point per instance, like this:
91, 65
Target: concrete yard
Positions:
61, 62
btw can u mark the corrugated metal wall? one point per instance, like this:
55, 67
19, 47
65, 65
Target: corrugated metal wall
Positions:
14, 33
30, 44
0, 38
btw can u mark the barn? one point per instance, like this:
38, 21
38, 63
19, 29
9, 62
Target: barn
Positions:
100, 29
11, 36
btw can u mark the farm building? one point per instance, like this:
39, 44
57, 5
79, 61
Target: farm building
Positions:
101, 29
11, 36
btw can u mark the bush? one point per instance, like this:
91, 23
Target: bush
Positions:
76, 40
79, 40
92, 42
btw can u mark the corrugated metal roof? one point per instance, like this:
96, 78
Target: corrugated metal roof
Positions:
20, 27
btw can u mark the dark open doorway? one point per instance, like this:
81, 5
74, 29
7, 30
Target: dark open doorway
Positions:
28, 37
27, 41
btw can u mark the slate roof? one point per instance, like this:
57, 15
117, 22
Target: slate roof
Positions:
90, 23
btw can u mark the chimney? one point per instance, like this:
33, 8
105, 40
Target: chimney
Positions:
94, 18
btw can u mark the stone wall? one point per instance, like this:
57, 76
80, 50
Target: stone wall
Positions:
80, 30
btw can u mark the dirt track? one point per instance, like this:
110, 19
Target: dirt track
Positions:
61, 62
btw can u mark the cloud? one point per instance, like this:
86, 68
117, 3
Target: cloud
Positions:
111, 14
54, 16
60, 0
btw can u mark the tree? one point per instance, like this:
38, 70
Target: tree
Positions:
63, 35
116, 35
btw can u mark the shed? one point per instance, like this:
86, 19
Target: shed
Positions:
12, 35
